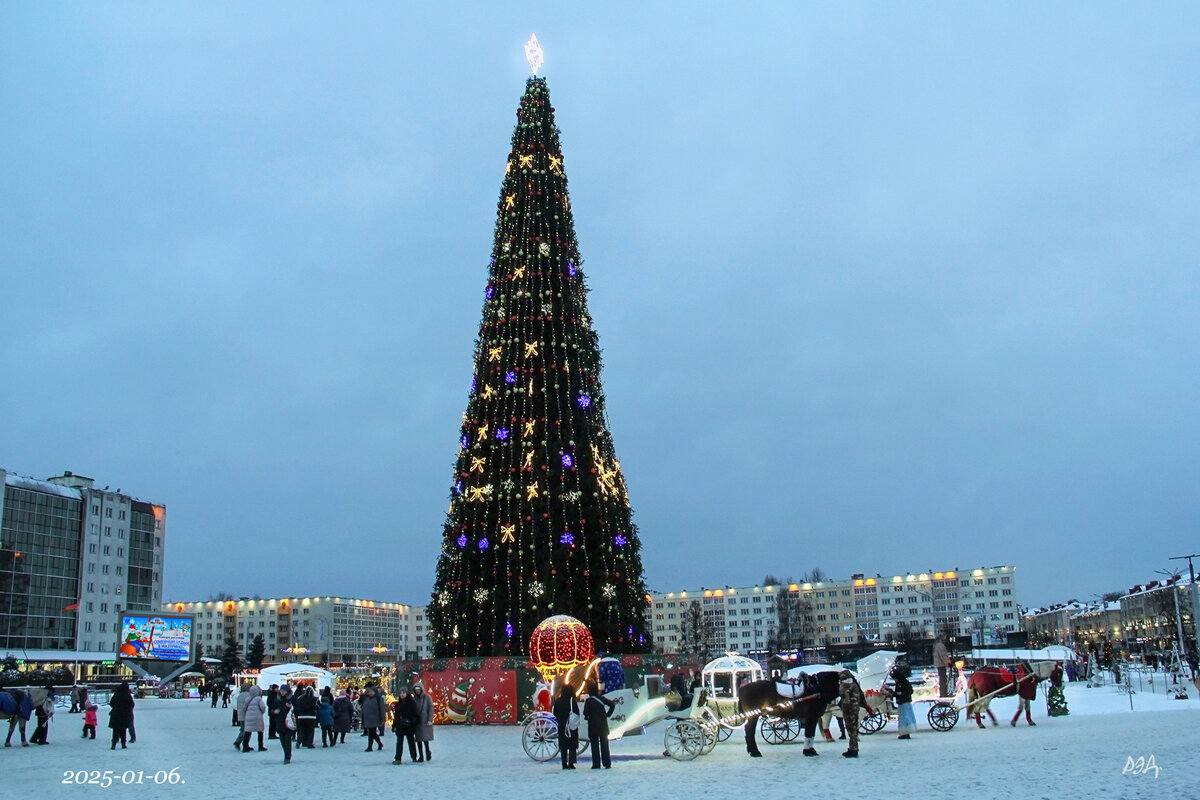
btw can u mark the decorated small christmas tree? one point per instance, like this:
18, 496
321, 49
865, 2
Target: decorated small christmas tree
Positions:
539, 521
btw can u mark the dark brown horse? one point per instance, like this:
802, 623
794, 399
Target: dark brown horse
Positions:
988, 682
806, 701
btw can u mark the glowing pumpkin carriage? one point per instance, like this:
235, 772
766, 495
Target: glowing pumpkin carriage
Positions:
561, 648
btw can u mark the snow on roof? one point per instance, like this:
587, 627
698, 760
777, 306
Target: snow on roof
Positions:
34, 485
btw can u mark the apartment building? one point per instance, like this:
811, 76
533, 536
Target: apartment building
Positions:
328, 630
73, 557
980, 603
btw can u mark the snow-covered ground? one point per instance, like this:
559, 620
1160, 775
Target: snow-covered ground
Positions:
1085, 755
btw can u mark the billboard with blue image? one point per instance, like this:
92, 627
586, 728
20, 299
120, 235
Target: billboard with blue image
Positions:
156, 637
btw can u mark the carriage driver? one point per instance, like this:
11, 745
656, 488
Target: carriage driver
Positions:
851, 700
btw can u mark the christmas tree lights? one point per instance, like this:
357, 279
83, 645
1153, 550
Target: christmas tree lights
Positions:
539, 522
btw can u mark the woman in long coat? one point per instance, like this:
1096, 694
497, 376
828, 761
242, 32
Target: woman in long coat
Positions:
424, 723
254, 718
120, 714
343, 714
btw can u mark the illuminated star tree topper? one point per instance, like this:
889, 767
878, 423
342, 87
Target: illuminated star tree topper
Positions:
533, 53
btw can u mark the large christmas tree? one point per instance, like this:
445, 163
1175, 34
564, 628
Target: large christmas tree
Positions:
539, 520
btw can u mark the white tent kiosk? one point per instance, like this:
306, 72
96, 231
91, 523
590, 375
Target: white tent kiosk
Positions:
295, 673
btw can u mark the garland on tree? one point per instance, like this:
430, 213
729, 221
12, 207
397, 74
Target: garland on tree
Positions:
539, 521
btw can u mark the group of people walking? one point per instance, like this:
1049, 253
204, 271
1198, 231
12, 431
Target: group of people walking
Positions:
292, 716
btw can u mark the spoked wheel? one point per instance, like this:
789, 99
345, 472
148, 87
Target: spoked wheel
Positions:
724, 732
943, 716
539, 737
711, 730
871, 723
777, 730
683, 740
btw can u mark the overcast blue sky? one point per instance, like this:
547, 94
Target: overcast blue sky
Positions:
881, 287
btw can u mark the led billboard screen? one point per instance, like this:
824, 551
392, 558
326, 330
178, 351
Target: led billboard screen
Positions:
156, 637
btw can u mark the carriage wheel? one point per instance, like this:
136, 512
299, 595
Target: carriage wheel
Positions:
683, 740
777, 730
539, 737
943, 716
710, 729
723, 732
871, 723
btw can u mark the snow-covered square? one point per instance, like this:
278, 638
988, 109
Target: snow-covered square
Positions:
1102, 749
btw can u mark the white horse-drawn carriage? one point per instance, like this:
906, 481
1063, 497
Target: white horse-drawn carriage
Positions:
691, 729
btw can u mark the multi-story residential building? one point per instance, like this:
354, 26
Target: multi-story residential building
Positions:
73, 558
328, 630
980, 603
1053, 624
1153, 614
1096, 624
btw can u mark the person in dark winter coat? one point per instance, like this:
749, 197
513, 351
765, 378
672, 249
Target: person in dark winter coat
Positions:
424, 722
283, 705
903, 693
305, 706
596, 710
564, 707
120, 714
374, 711
343, 715
252, 718
43, 711
272, 718
325, 720
404, 725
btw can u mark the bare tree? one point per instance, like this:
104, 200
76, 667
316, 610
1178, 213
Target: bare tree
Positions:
791, 613
695, 633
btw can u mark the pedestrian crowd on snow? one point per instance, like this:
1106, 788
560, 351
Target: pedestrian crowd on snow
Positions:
291, 716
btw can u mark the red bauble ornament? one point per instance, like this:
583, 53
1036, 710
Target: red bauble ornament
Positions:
559, 643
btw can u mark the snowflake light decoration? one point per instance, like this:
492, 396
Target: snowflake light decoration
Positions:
510, 377
502, 434
567, 461
462, 540
481, 595
536, 589
620, 541
483, 543
584, 401
567, 538
609, 591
